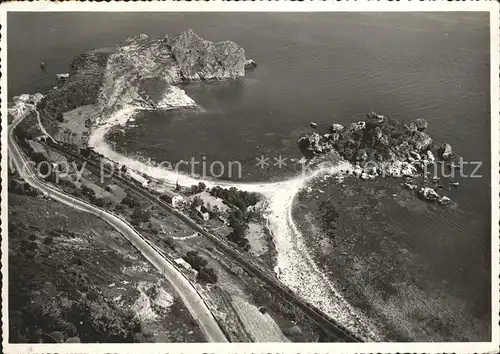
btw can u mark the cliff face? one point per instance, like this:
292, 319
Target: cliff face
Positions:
142, 72
199, 59
81, 88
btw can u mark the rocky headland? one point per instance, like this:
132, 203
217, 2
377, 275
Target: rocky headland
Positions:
141, 73
382, 146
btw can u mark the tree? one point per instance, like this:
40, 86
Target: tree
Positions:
193, 189
130, 201
154, 228
27, 246
196, 202
86, 191
57, 336
141, 215
68, 329
234, 197
207, 275
120, 207
99, 202
195, 260
77, 193
169, 242
214, 212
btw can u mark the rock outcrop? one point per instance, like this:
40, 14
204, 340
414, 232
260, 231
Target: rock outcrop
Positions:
421, 141
445, 152
428, 194
421, 124
81, 87
250, 64
142, 72
199, 59
378, 139
431, 195
444, 200
62, 77
335, 128
379, 146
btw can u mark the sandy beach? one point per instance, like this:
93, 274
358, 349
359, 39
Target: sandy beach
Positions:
294, 266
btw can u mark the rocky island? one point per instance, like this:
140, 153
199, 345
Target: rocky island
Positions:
380, 147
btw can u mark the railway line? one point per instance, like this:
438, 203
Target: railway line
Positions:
326, 323
187, 292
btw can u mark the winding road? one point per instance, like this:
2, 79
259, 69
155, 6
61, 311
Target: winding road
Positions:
186, 291
329, 324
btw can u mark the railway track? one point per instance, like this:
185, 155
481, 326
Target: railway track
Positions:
326, 323
190, 296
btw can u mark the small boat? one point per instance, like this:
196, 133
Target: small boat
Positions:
454, 184
42, 65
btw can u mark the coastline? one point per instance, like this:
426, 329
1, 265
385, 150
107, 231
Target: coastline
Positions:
367, 238
294, 265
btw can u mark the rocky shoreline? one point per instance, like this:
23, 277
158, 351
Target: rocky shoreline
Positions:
383, 147
141, 73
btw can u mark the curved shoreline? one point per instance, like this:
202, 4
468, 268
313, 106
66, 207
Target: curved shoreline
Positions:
294, 265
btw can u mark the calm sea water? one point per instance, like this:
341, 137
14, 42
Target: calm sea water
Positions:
325, 68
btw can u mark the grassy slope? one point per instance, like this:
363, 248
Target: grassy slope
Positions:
84, 281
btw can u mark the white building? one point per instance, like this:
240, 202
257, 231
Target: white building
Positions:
182, 263
187, 270
138, 178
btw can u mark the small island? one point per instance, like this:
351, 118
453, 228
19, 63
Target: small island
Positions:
382, 146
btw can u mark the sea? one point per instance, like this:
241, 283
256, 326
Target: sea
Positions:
312, 67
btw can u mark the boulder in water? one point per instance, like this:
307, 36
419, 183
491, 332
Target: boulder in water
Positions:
428, 194
445, 152
444, 200
420, 124
410, 186
336, 128
250, 64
